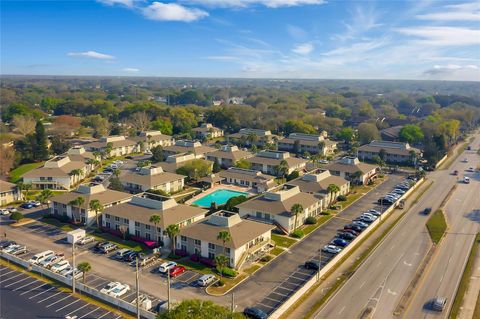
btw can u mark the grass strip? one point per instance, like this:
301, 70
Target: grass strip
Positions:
283, 241
16, 174
437, 225
463, 285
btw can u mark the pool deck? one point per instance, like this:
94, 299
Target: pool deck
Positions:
221, 186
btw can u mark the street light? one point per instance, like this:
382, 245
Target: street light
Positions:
73, 266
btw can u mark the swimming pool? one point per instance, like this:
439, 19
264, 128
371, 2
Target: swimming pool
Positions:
220, 197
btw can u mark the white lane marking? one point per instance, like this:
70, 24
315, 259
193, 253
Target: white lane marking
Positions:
49, 297
391, 292
6, 273
4, 281
103, 315
31, 282
41, 292
89, 312
341, 310
67, 305
26, 292
363, 283
16, 282
393, 246
54, 303
77, 309
275, 300
407, 264
119, 317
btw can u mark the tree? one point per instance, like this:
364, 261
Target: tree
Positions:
225, 237
124, 230
196, 169
27, 187
115, 184
74, 173
382, 154
59, 144
157, 154
41, 149
379, 161
44, 197
172, 232
243, 163
368, 132
20, 187
140, 121
216, 167
298, 126
155, 219
7, 159
163, 125
356, 176
346, 134
281, 169
411, 133
332, 189
234, 201
66, 125
84, 267
252, 138
76, 205
196, 308
24, 124
96, 206
221, 261
296, 210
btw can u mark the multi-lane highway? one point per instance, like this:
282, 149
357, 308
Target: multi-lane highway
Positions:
380, 281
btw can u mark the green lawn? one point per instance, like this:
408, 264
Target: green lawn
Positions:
437, 225
276, 251
201, 268
283, 241
307, 229
16, 174
57, 223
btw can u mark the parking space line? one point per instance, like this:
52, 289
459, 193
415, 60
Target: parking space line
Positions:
54, 303
103, 315
77, 300
272, 299
16, 282
49, 297
278, 293
86, 304
41, 292
271, 307
7, 273
102, 284
31, 282
129, 295
12, 277
26, 292
118, 317
89, 312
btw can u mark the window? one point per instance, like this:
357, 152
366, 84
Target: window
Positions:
117, 219
107, 215
211, 246
197, 251
147, 226
211, 255
227, 250
117, 227
125, 220
198, 242
147, 235
64, 206
137, 224
107, 224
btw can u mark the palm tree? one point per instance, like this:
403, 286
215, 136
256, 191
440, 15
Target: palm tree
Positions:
76, 172
172, 232
44, 196
155, 219
321, 147
222, 262
27, 187
21, 188
84, 267
76, 204
225, 237
356, 176
331, 189
252, 138
108, 149
97, 207
282, 168
296, 210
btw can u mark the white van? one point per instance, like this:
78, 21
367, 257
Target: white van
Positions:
41, 256
466, 180
206, 280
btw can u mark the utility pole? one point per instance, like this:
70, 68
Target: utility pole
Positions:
232, 307
319, 263
137, 288
168, 292
73, 266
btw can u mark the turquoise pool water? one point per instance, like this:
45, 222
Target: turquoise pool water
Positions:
220, 197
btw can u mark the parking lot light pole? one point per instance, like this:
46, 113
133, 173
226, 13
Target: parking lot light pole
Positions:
168, 291
137, 283
73, 266
319, 263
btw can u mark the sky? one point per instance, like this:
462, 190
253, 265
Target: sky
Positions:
323, 39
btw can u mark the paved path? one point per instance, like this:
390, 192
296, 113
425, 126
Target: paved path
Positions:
473, 291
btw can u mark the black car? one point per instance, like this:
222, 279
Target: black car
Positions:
427, 211
356, 228
130, 257
254, 313
346, 236
312, 264
6, 243
385, 201
350, 231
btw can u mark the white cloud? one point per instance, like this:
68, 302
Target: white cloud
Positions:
222, 58
455, 12
443, 36
363, 19
92, 54
128, 3
296, 32
469, 72
130, 70
247, 3
303, 49
172, 12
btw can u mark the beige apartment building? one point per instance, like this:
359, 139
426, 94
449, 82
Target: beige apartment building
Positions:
152, 177
228, 155
268, 161
8, 193
207, 131
301, 143
121, 145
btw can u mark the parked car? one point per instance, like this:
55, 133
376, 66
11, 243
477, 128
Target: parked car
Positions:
331, 249
41, 256
346, 236
354, 227
108, 248
18, 250
374, 212
351, 231
85, 240
59, 266
206, 280
35, 203
466, 180
455, 172
26, 205
176, 271
67, 271
465, 160
144, 260
74, 273
4, 211
312, 264
399, 191
166, 266
121, 253
109, 287
99, 245
49, 261
131, 256
254, 313
12, 209
339, 242
119, 290
11, 248
360, 224
471, 169
5, 243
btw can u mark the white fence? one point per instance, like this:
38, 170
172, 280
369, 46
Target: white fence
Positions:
119, 303
287, 304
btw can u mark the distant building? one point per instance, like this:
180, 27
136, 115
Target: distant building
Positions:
248, 178
8, 193
236, 100
152, 178
391, 134
300, 143
353, 170
174, 162
134, 216
250, 136
228, 155
120, 145
317, 182
152, 139
249, 239
62, 204
395, 152
275, 207
187, 146
268, 161
207, 130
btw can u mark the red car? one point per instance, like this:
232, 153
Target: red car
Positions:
176, 271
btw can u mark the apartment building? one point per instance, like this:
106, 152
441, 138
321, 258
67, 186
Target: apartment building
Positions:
228, 155
249, 136
62, 205
151, 139
174, 162
317, 183
134, 217
152, 177
249, 239
120, 145
353, 170
190, 147
275, 207
255, 180
268, 162
207, 131
8, 193
301, 143
395, 152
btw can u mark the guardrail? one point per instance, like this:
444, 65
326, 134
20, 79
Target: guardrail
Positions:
131, 308
284, 307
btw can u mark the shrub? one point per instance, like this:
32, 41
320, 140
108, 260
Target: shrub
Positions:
181, 253
325, 213
266, 258
220, 283
341, 198
16, 216
194, 257
228, 272
292, 175
298, 233
311, 220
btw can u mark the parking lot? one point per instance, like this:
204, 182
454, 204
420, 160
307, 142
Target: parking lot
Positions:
26, 297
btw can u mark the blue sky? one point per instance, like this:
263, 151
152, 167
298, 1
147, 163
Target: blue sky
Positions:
243, 38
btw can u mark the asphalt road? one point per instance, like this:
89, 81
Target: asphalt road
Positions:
380, 281
463, 217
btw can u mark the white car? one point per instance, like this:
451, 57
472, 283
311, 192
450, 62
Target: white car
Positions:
67, 271
166, 266
49, 261
108, 288
119, 290
61, 265
331, 249
41, 256
12, 209
4, 211
85, 240
78, 274
11, 248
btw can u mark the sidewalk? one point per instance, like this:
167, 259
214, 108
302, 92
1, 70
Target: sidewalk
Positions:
306, 305
473, 290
